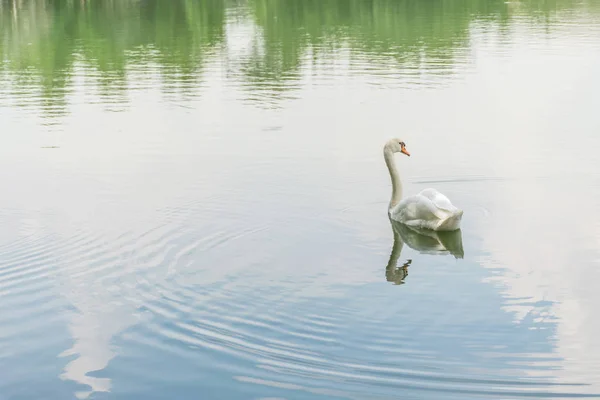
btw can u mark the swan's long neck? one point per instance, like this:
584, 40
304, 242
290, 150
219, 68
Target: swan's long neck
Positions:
396, 183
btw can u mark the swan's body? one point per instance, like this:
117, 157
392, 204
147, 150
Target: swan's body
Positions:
427, 210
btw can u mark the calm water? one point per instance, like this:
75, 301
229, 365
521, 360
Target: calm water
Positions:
194, 199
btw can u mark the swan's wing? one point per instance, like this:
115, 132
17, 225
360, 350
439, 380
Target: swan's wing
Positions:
439, 201
417, 207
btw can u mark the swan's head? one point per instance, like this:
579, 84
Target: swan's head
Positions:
396, 146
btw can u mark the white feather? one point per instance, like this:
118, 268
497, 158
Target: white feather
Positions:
429, 209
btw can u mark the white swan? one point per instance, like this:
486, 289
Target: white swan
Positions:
429, 209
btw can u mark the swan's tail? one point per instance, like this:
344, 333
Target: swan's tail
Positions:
451, 223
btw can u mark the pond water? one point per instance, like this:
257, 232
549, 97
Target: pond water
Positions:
194, 199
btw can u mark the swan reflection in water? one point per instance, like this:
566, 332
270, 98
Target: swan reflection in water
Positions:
424, 241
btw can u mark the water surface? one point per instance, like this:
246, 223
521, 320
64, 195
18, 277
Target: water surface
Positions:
195, 197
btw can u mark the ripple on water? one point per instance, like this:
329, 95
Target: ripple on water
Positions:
161, 274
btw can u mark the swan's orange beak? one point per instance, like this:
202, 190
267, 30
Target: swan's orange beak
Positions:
405, 151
